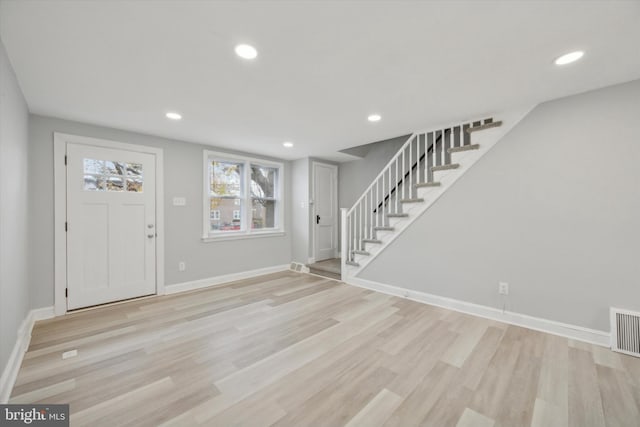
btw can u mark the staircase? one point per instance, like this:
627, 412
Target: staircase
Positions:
424, 168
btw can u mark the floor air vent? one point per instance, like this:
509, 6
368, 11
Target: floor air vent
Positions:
625, 331
300, 268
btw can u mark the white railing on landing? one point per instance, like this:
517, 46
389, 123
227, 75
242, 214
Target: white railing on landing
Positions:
396, 184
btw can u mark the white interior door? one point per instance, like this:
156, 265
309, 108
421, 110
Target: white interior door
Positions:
325, 202
111, 236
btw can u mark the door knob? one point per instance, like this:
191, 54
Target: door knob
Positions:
317, 219
150, 236
149, 225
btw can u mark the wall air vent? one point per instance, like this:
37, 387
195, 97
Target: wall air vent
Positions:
625, 331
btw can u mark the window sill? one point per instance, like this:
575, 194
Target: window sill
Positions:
241, 236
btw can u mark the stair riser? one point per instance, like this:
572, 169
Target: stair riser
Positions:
371, 248
381, 235
397, 222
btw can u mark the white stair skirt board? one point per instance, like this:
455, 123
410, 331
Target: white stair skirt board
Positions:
221, 280
23, 337
579, 333
486, 139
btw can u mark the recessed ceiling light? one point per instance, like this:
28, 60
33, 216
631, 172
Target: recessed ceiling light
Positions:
569, 58
245, 51
374, 118
288, 144
173, 116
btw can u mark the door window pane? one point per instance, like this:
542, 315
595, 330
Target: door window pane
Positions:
134, 169
109, 175
115, 183
134, 185
94, 183
93, 166
114, 168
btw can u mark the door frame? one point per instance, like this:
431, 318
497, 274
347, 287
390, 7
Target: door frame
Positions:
314, 164
60, 141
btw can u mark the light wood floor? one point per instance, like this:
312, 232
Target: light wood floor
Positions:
289, 349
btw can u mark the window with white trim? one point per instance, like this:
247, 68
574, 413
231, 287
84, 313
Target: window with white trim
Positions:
243, 196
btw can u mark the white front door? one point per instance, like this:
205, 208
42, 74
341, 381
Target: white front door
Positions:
325, 202
111, 234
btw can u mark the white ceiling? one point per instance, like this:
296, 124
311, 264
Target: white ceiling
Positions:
322, 68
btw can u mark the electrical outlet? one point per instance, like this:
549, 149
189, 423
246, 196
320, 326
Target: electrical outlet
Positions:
182, 266
503, 288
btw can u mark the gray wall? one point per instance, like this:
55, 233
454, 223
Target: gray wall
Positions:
14, 209
300, 210
553, 210
183, 225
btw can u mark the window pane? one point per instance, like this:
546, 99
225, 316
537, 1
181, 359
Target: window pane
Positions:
114, 168
225, 179
134, 169
94, 183
115, 183
225, 214
263, 214
93, 166
263, 181
134, 185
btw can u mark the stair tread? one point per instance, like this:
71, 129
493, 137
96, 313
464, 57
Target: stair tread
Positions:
427, 184
415, 200
361, 252
485, 126
445, 167
397, 215
464, 148
384, 228
371, 241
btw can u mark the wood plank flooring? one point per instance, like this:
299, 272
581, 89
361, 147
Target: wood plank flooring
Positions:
290, 349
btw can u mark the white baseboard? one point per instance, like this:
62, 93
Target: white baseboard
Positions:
220, 280
23, 337
591, 336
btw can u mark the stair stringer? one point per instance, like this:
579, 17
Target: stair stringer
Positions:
487, 139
